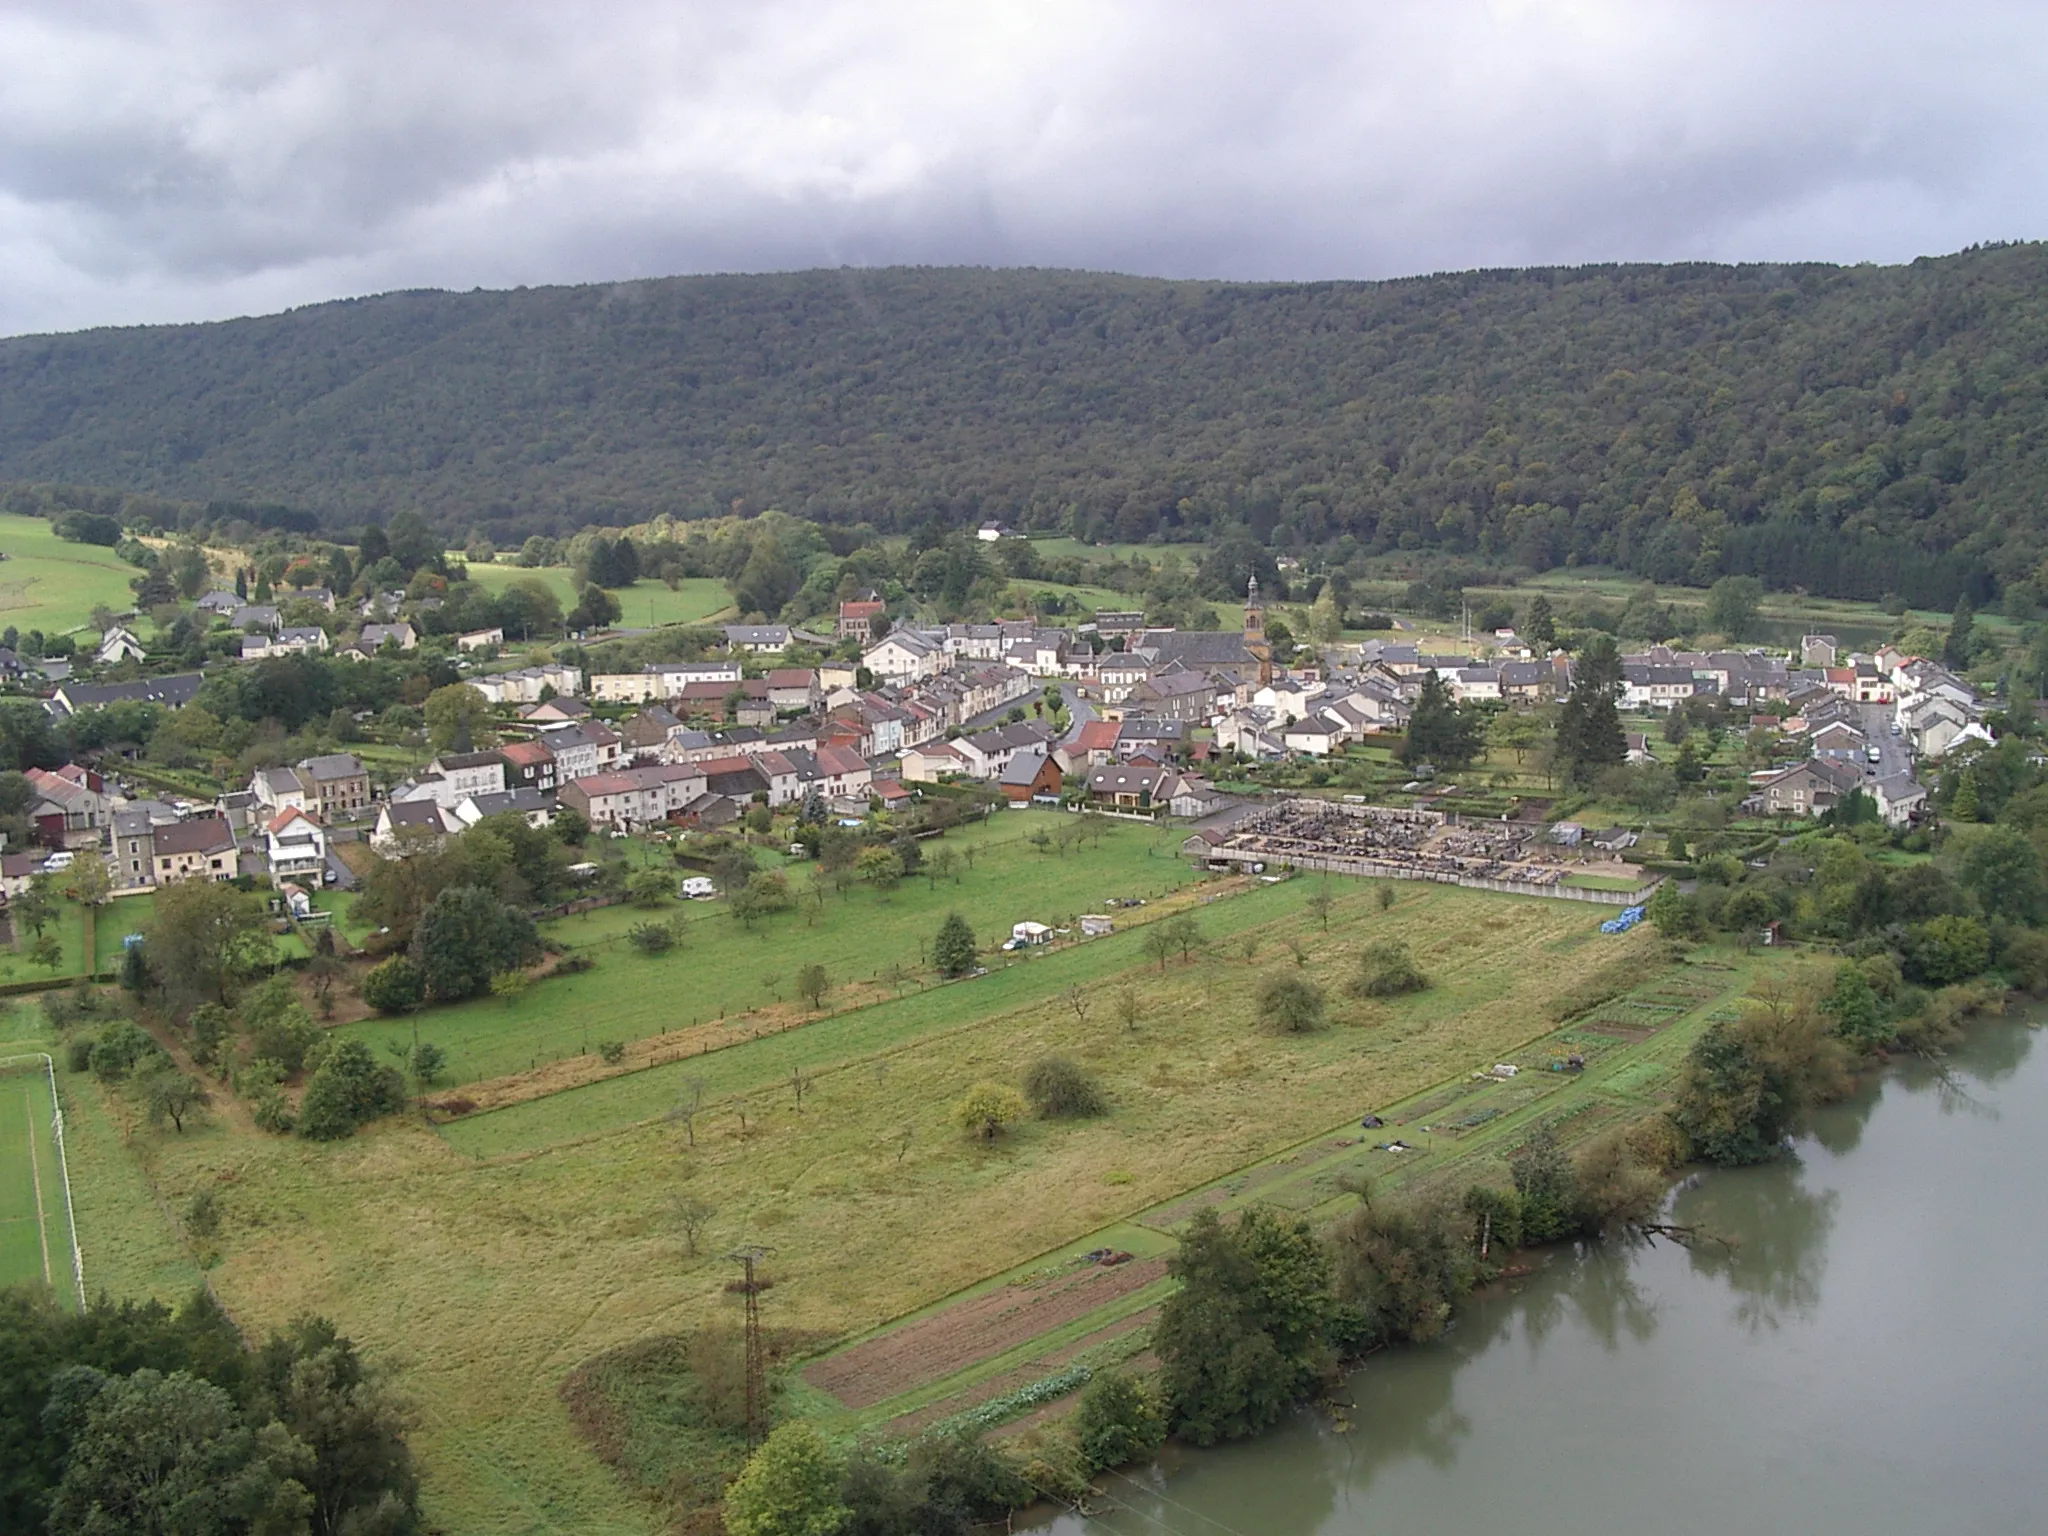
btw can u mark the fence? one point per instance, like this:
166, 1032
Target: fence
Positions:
1373, 869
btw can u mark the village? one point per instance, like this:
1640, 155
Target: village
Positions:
1109, 716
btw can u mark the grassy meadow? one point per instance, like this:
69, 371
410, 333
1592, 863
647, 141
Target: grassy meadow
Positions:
644, 604
52, 584
722, 970
486, 1266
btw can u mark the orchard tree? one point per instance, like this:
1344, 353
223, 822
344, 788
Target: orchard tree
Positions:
953, 951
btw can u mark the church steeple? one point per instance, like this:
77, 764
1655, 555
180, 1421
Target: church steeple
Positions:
1255, 642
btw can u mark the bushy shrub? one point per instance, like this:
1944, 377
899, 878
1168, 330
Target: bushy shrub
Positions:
1291, 1003
120, 1047
652, 938
1058, 1088
394, 987
286, 1037
986, 1109
351, 1088
612, 1052
1117, 1422
78, 1053
1387, 969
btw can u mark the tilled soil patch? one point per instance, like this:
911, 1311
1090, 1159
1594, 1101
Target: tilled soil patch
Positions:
934, 1347
1022, 1376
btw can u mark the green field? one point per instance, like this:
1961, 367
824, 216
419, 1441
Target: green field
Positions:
722, 970
52, 584
642, 605
35, 1235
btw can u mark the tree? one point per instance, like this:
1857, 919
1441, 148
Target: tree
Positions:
458, 718
570, 826
1732, 604
1439, 731
465, 937
648, 887
1589, 735
986, 1109
1246, 1332
169, 1094
764, 895
1186, 933
168, 1455
1059, 1089
652, 938
1291, 1004
202, 935
1386, 969
48, 952
1959, 646
1748, 1081
2002, 870
953, 951
88, 881
690, 1216
394, 987
1117, 1422
812, 983
1539, 625
595, 608
1318, 906
350, 1088
36, 907
789, 1487
1402, 1265
334, 1405
1130, 1007
1157, 944
880, 867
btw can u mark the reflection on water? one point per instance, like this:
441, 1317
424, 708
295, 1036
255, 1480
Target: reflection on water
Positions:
1862, 1357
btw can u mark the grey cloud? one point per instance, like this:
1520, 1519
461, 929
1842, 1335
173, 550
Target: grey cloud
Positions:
190, 160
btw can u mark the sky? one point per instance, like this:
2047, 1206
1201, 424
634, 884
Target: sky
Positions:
207, 158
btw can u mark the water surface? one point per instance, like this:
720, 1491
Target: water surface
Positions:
1871, 1357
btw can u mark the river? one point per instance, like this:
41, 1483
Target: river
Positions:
1866, 1359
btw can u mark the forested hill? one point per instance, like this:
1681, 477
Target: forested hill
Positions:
1854, 430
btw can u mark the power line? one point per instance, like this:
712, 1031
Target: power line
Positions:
1185, 1509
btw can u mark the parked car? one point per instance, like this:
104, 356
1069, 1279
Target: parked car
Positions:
58, 861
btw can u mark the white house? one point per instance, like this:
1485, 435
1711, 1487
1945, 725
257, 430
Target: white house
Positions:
480, 640
119, 644
401, 821
296, 847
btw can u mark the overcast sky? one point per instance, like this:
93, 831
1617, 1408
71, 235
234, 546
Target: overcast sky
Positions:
201, 158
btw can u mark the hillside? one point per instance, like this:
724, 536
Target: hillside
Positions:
1853, 430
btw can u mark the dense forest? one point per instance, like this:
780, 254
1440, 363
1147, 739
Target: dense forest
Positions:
1854, 431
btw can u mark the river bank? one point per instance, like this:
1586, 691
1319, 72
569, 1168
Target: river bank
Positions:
1861, 1359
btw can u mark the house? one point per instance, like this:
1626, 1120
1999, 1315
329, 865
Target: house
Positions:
538, 809
1638, 748
1189, 697
292, 640
1809, 788
374, 637
263, 616
857, 619
458, 775
219, 603
133, 864
18, 873
891, 793
70, 806
1647, 685
736, 778
760, 639
1838, 738
480, 640
278, 789
526, 685
1817, 650
987, 753
793, 690
929, 764
295, 847
119, 644
840, 771
649, 731
405, 824
709, 810
1129, 787
904, 654
592, 747
202, 848
1157, 739
1029, 775
556, 711
1475, 685
173, 692
1092, 744
338, 783
1112, 623
635, 797
529, 765
1194, 796
1899, 796
1315, 736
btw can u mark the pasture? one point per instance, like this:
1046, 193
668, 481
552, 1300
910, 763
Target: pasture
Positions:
35, 1224
52, 584
488, 1260
643, 605
723, 971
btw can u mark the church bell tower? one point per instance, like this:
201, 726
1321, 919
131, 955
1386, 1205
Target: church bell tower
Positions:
1255, 642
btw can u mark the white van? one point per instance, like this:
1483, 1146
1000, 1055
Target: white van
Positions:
698, 888
60, 860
